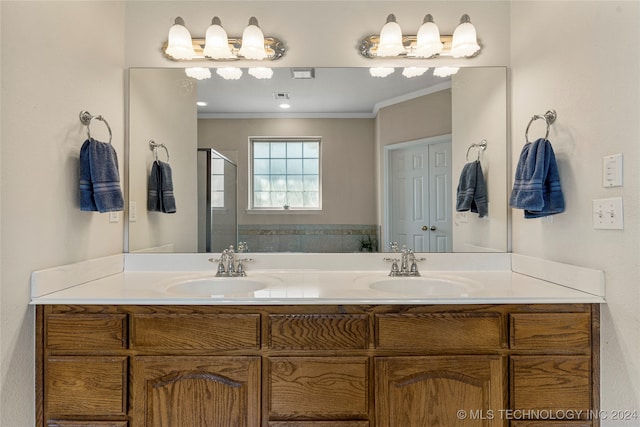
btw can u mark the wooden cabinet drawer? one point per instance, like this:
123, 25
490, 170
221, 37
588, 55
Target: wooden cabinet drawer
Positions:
550, 332
195, 331
318, 331
65, 423
552, 383
86, 386
320, 388
319, 424
434, 332
86, 332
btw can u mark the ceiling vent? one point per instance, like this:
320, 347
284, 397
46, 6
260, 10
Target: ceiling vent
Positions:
303, 73
281, 96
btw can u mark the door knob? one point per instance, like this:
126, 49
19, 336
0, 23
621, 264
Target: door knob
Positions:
433, 228
425, 228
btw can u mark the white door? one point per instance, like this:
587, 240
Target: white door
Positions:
420, 196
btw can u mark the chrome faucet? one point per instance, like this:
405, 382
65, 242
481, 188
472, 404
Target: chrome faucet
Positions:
229, 264
408, 262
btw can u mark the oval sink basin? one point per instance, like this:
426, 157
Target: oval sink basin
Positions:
213, 287
421, 286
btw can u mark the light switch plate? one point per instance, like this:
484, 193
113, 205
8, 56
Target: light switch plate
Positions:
113, 216
608, 214
612, 171
133, 211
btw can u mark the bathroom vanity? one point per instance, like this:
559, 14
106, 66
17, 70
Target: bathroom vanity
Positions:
339, 357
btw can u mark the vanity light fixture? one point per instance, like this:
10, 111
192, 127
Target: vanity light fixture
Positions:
465, 41
198, 73
229, 73
179, 42
428, 43
390, 38
218, 46
217, 42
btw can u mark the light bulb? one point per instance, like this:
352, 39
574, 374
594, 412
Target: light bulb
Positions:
381, 71
428, 39
414, 71
445, 71
198, 73
261, 72
229, 73
253, 41
216, 42
390, 38
179, 42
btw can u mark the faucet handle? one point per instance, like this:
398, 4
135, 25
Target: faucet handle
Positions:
243, 247
393, 246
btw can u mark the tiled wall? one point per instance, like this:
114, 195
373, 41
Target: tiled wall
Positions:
309, 237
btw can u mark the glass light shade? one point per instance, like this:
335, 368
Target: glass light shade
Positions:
253, 41
390, 38
464, 41
179, 42
381, 71
216, 41
414, 71
261, 72
229, 73
198, 73
445, 71
428, 39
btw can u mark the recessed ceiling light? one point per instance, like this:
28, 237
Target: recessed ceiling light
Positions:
285, 106
201, 104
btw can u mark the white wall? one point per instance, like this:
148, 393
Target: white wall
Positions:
57, 59
582, 59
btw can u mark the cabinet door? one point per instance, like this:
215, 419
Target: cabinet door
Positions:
192, 391
431, 391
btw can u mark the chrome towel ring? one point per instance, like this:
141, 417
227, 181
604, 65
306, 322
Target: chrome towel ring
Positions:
549, 117
153, 146
481, 146
85, 119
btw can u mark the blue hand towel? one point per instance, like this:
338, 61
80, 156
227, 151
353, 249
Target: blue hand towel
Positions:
472, 190
154, 202
536, 187
160, 190
168, 199
99, 178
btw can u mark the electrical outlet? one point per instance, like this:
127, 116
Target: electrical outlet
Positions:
608, 214
113, 216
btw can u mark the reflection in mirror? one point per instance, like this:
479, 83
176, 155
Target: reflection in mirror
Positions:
373, 133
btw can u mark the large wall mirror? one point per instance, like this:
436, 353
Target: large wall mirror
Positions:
386, 167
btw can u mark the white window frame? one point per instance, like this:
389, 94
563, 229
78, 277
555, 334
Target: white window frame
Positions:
254, 209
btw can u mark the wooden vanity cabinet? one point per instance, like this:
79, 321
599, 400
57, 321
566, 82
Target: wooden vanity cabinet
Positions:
316, 366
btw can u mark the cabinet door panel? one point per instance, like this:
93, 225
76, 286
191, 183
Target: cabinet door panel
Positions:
86, 386
318, 388
429, 391
86, 332
196, 391
553, 383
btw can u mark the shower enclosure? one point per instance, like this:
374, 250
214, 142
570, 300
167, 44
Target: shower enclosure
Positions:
217, 201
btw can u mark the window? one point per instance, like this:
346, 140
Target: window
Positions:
285, 173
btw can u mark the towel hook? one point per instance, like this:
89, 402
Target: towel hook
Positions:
153, 146
85, 119
481, 146
549, 117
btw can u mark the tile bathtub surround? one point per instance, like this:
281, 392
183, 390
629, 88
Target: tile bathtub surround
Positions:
319, 238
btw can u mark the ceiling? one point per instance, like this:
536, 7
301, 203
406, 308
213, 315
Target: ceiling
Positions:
343, 92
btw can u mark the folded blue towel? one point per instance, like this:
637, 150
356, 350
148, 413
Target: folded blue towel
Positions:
160, 190
472, 190
536, 187
99, 178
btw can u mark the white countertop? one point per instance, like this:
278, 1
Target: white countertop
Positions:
148, 280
